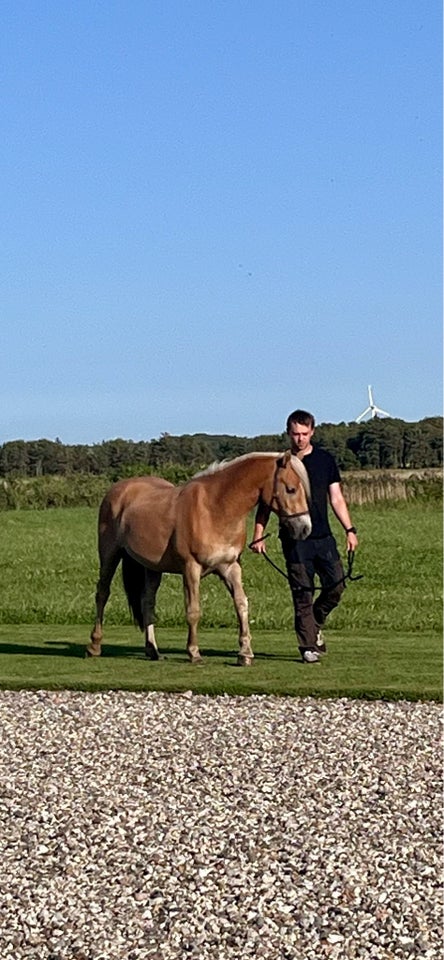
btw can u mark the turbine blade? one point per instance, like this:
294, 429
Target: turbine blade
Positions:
361, 415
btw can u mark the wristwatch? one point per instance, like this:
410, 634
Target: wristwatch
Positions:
351, 530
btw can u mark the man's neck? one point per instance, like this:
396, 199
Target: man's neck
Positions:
304, 453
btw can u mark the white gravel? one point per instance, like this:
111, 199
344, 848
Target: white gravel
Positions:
164, 826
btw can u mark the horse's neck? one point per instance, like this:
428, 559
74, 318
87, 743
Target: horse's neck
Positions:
243, 481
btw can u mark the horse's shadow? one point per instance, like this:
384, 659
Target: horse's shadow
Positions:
64, 648
68, 649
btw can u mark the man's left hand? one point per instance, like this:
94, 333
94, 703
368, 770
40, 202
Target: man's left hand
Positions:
352, 541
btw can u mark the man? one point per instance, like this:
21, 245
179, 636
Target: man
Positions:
318, 554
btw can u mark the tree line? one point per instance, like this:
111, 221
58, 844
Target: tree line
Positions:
375, 444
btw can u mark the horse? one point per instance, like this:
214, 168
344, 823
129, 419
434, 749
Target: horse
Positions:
193, 529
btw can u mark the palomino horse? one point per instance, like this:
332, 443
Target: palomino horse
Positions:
193, 529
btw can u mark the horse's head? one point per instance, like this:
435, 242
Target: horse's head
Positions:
291, 495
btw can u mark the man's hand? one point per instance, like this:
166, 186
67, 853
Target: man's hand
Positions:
258, 546
352, 541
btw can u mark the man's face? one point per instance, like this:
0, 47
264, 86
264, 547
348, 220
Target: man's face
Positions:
300, 437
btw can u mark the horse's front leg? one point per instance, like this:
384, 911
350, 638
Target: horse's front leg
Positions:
231, 574
191, 584
152, 583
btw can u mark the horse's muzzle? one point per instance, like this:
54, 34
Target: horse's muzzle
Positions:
298, 526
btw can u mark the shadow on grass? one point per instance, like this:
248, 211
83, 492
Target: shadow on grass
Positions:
67, 649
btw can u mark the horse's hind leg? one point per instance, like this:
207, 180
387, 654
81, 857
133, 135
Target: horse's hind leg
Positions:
231, 574
107, 571
148, 603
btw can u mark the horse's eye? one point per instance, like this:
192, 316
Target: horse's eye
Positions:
290, 489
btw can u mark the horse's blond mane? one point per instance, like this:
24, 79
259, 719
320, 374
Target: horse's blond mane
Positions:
296, 464
223, 464
301, 471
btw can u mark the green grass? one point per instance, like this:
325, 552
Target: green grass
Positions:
370, 667
48, 572
385, 637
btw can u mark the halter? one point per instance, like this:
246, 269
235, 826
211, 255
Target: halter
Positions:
274, 497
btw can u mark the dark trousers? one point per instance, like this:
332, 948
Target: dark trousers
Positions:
304, 559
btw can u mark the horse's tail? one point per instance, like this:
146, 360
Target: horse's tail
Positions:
133, 575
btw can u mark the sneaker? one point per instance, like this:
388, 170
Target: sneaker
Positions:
320, 642
311, 656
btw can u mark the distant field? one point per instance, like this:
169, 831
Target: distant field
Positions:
49, 570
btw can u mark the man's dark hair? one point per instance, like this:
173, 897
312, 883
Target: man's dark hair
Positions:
301, 416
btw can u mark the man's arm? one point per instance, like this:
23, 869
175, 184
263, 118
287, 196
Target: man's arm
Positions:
261, 520
340, 510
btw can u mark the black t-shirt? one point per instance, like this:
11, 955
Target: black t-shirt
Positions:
322, 470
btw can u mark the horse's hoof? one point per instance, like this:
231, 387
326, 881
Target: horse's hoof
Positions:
196, 661
91, 652
244, 661
151, 653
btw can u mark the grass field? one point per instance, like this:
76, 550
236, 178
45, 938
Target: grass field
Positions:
384, 639
48, 656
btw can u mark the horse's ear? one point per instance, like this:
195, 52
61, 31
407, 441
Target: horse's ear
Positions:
284, 459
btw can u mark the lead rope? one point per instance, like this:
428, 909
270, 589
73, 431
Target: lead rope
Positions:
347, 576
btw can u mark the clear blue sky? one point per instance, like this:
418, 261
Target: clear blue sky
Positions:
215, 211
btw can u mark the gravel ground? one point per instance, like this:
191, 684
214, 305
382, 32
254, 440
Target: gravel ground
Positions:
166, 826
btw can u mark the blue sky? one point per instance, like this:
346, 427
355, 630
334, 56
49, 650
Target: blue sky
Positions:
215, 211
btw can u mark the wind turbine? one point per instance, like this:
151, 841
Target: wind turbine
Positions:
372, 409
